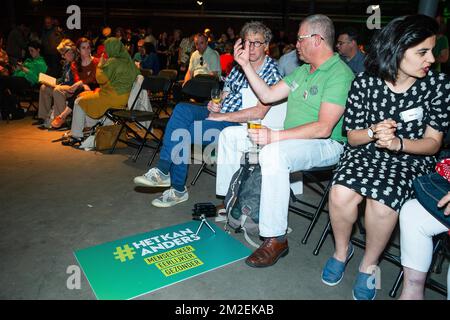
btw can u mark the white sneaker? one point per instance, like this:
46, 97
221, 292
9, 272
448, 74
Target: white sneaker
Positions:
171, 197
153, 178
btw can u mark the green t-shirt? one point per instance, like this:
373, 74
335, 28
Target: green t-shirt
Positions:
34, 66
328, 83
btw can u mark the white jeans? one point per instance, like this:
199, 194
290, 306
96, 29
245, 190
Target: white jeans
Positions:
277, 161
417, 227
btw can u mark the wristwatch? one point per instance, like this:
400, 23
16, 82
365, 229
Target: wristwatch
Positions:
370, 133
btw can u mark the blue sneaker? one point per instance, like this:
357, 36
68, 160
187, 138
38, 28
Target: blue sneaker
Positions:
364, 287
334, 269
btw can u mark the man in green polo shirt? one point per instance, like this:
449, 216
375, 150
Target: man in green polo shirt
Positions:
312, 136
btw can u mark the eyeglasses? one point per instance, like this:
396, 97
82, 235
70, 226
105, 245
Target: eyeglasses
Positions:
255, 44
300, 38
201, 61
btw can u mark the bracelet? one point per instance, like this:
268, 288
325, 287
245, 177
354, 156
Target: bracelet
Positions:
401, 145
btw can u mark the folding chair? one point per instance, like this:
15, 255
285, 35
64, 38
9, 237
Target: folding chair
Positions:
323, 190
157, 87
170, 74
30, 97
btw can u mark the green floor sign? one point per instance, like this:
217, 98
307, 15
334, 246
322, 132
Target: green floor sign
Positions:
133, 266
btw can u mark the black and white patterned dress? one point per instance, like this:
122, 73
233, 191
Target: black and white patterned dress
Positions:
377, 173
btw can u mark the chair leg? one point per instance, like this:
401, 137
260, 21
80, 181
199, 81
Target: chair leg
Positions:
396, 284
322, 238
317, 213
116, 140
155, 153
141, 146
199, 172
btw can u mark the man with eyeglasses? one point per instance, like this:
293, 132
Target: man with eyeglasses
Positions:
172, 168
347, 46
316, 95
204, 60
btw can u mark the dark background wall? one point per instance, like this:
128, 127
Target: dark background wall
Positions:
190, 17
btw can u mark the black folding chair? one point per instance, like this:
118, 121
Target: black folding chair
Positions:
313, 178
157, 88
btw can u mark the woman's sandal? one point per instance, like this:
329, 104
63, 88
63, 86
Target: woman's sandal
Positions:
71, 141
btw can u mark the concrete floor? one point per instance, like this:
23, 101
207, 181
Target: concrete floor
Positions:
57, 199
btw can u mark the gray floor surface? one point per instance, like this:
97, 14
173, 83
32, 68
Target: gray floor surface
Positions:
57, 199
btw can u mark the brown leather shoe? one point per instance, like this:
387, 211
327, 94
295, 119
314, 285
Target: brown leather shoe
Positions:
268, 253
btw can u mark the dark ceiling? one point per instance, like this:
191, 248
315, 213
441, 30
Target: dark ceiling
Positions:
188, 15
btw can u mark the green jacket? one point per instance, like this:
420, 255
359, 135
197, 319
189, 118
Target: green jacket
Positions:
35, 66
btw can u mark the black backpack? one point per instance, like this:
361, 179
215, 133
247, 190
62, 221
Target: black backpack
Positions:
243, 198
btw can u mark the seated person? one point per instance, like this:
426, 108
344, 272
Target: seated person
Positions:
316, 96
171, 170
115, 76
348, 47
397, 112
83, 70
137, 58
418, 226
25, 75
149, 58
204, 60
54, 97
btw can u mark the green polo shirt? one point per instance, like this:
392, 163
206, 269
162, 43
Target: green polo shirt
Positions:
328, 83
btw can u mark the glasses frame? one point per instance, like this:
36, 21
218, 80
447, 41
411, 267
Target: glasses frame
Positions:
201, 61
253, 43
300, 38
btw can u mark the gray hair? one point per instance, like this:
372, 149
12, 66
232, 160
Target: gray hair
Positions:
321, 24
256, 27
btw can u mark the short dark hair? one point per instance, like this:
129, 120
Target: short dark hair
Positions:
388, 45
149, 47
34, 44
350, 32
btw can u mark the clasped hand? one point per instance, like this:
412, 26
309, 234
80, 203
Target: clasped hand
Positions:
384, 135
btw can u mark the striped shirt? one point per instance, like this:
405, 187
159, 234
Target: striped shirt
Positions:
236, 81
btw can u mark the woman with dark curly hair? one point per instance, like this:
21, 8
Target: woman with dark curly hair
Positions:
396, 115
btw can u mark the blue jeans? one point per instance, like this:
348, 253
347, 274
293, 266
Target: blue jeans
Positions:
429, 190
186, 126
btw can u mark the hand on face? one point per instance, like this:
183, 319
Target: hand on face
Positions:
242, 53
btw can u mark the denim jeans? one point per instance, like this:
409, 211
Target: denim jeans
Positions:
187, 125
429, 190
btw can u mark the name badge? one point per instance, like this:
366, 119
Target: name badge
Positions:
412, 114
294, 86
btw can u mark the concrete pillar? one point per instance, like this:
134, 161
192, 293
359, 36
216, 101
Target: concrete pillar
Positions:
428, 7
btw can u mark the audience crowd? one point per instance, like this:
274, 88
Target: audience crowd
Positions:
379, 114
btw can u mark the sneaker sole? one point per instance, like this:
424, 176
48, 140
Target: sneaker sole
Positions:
354, 298
160, 204
332, 284
142, 182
